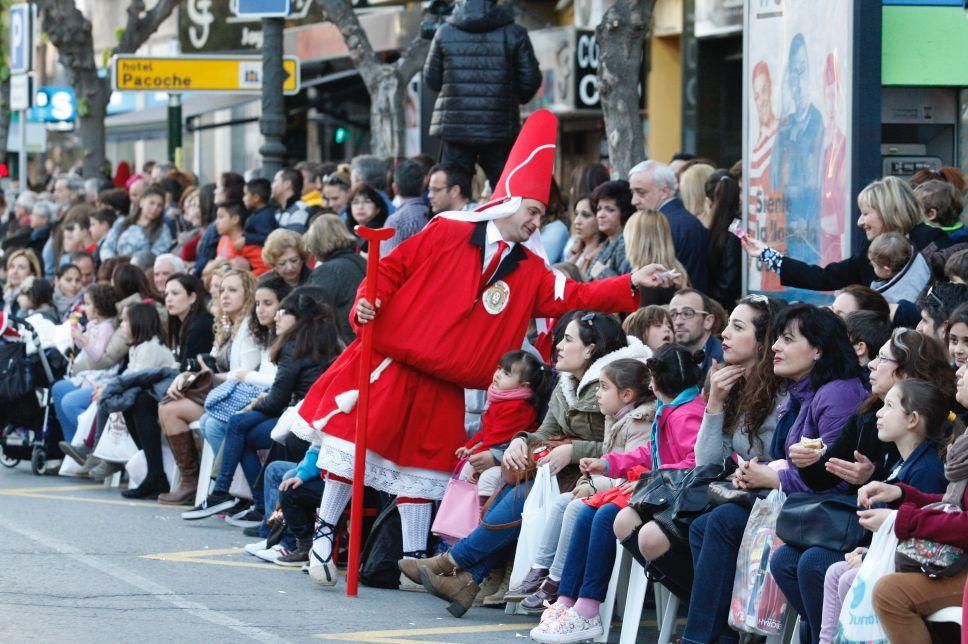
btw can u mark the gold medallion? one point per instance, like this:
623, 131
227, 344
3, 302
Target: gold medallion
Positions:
496, 297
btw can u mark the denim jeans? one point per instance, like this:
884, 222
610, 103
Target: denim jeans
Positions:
70, 401
248, 432
213, 431
714, 539
591, 553
276, 472
555, 538
484, 549
800, 575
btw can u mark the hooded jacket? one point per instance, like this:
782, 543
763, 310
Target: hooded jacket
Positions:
573, 411
483, 66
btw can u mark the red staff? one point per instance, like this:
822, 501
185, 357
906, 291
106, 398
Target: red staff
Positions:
373, 236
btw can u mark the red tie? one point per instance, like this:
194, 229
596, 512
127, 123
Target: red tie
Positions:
492, 265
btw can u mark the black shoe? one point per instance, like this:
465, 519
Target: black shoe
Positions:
216, 502
253, 531
149, 489
250, 518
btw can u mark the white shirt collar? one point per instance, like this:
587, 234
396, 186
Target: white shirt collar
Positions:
494, 235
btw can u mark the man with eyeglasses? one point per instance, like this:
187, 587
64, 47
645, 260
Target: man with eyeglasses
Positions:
449, 189
692, 322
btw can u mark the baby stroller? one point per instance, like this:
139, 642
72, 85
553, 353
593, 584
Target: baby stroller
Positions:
28, 429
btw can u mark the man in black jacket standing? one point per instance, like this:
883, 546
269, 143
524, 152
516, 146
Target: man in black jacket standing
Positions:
483, 66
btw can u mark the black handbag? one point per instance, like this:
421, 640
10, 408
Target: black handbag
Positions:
723, 492
827, 521
673, 498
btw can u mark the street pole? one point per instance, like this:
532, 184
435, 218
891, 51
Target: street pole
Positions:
175, 129
272, 124
22, 154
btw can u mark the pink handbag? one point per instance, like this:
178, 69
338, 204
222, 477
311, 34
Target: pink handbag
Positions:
460, 510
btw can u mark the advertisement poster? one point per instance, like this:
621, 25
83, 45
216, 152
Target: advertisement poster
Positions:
796, 148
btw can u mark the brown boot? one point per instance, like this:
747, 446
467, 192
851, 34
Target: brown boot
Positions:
439, 565
186, 456
458, 588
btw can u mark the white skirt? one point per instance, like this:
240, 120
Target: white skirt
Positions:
336, 456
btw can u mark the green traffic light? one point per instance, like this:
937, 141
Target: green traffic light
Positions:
341, 135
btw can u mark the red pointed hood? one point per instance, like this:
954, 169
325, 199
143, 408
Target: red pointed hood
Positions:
527, 173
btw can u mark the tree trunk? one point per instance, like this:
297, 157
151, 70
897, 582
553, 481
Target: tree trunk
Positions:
70, 32
621, 37
386, 83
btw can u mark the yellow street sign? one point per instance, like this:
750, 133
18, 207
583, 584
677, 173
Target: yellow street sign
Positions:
238, 74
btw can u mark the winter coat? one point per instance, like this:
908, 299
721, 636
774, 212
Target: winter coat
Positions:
678, 428
573, 411
691, 241
294, 376
339, 275
853, 270
823, 414
122, 240
258, 226
119, 394
483, 66
914, 521
150, 355
908, 283
611, 260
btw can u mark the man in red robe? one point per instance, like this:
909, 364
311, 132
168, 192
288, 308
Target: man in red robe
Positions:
451, 301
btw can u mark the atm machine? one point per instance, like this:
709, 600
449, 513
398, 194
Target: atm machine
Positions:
919, 128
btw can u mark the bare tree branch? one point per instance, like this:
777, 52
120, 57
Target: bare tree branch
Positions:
141, 24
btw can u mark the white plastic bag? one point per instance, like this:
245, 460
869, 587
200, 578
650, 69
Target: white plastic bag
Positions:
757, 605
137, 466
534, 517
858, 621
116, 444
85, 420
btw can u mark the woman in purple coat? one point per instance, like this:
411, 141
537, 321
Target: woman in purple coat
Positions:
813, 352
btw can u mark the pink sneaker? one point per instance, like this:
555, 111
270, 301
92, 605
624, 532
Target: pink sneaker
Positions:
551, 611
567, 627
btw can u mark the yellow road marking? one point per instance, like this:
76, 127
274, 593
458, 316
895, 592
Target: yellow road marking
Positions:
398, 636
205, 557
66, 497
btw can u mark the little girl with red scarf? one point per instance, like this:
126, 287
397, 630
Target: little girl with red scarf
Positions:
520, 382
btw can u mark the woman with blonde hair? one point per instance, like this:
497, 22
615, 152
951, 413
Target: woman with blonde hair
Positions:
340, 269
692, 191
21, 264
886, 205
648, 240
285, 252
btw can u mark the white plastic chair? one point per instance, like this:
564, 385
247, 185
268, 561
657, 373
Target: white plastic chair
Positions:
950, 614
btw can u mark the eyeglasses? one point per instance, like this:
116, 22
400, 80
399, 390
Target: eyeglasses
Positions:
883, 358
686, 313
934, 297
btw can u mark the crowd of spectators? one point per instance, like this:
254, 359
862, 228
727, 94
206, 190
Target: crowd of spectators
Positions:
202, 314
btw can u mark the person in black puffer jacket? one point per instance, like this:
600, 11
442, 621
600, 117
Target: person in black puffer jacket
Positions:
484, 67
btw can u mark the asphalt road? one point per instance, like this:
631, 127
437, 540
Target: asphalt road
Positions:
78, 563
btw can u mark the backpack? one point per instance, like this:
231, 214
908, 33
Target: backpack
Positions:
382, 550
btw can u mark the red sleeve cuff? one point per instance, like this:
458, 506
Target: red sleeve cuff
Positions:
904, 520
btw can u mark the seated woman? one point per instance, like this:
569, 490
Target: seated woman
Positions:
234, 348
902, 600
189, 335
744, 396
308, 341
591, 341
861, 454
263, 325
813, 352
339, 268
285, 253
674, 375
143, 229
73, 395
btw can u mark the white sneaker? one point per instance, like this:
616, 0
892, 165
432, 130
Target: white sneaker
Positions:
258, 546
271, 554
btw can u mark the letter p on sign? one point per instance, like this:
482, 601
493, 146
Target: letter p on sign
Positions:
21, 38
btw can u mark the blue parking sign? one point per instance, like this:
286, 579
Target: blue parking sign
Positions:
262, 8
21, 38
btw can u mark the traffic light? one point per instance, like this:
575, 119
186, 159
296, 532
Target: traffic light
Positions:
341, 135
4, 170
